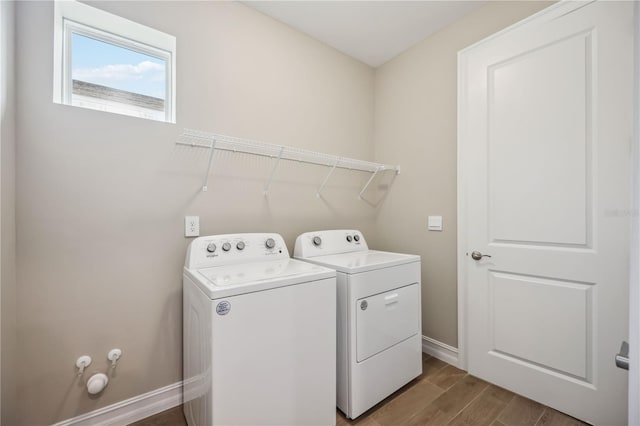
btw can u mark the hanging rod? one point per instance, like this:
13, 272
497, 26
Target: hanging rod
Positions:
199, 139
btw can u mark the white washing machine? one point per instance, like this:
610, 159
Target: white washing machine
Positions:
259, 334
379, 322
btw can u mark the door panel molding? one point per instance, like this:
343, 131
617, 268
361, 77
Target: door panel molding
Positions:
572, 118
519, 327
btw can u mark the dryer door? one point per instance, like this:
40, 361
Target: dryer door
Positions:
385, 319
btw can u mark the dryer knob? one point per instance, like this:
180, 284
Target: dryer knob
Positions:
240, 246
356, 237
317, 241
226, 247
211, 247
349, 238
270, 243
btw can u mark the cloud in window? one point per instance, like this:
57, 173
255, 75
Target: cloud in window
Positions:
121, 72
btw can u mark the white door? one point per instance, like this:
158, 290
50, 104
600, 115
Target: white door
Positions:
544, 144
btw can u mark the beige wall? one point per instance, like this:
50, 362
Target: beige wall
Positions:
415, 126
101, 198
8, 348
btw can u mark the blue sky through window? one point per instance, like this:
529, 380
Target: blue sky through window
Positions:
113, 66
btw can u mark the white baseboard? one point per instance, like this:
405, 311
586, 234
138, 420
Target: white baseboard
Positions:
158, 400
132, 409
440, 350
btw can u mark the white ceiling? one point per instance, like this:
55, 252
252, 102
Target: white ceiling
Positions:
370, 31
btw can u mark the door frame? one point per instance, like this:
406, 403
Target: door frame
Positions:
634, 284
464, 140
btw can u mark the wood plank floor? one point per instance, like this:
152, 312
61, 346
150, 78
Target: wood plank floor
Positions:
442, 395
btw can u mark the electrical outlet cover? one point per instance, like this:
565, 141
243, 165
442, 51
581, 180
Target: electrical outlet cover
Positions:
191, 226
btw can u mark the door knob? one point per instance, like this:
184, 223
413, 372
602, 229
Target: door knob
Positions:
622, 358
476, 255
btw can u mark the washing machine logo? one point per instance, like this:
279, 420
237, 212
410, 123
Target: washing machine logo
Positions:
223, 308
364, 305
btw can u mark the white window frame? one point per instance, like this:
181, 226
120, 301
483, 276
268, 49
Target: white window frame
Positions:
74, 17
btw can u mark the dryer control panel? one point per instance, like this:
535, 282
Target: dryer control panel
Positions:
228, 249
323, 243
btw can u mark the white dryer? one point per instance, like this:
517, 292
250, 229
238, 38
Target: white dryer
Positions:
259, 334
379, 346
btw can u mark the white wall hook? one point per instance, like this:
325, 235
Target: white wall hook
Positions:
326, 179
273, 171
82, 363
212, 147
113, 356
97, 383
369, 182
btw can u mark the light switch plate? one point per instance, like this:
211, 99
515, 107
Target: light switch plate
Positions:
192, 226
435, 223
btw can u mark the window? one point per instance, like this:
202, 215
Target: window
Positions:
108, 63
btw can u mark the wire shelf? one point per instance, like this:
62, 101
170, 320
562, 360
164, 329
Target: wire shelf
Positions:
213, 141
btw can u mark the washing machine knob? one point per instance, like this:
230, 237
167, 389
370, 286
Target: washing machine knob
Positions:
356, 237
211, 247
240, 246
270, 243
317, 241
349, 238
226, 247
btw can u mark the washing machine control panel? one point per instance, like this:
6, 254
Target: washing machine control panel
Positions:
218, 250
322, 243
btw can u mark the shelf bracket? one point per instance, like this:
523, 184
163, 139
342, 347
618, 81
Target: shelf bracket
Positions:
326, 179
366, 185
273, 172
206, 175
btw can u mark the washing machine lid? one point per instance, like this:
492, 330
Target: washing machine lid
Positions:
232, 280
363, 261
